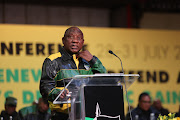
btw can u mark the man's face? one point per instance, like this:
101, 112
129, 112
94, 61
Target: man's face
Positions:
43, 107
73, 41
157, 104
10, 109
145, 103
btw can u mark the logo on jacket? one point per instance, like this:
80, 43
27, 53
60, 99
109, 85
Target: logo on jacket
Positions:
87, 67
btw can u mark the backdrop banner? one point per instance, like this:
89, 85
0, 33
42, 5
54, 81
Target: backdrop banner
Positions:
153, 54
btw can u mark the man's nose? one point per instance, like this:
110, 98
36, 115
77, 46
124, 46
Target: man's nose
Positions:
75, 39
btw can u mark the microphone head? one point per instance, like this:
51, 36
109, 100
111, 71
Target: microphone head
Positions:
111, 52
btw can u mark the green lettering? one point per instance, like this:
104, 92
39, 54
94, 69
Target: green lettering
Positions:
168, 97
24, 75
129, 93
10, 75
160, 96
175, 97
36, 76
28, 97
8, 93
38, 94
1, 76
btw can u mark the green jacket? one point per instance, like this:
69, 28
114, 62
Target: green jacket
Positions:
61, 66
32, 113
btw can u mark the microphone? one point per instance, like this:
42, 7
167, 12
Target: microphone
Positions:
111, 52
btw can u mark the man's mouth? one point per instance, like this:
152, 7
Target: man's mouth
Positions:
74, 47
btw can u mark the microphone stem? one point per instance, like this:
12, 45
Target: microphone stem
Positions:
121, 64
124, 85
125, 89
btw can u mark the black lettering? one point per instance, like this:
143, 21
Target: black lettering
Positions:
110, 71
164, 51
150, 76
59, 47
163, 76
29, 49
147, 53
120, 71
40, 49
140, 79
4, 47
131, 72
51, 48
178, 52
178, 80
18, 48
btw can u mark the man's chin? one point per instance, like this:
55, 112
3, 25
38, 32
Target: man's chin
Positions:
74, 52
146, 109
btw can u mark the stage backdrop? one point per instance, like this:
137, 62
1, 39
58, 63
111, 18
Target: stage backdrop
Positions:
154, 54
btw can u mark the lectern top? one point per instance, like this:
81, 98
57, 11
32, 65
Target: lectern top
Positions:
107, 74
110, 79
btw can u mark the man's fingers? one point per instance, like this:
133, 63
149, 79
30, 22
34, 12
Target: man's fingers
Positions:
63, 95
67, 91
85, 55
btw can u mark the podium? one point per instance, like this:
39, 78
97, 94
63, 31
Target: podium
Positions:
96, 97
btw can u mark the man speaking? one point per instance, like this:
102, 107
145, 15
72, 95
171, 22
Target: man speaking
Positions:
70, 61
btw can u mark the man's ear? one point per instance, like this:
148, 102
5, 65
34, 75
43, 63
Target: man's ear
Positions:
63, 40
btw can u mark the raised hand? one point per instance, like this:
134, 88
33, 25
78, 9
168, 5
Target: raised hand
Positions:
85, 55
